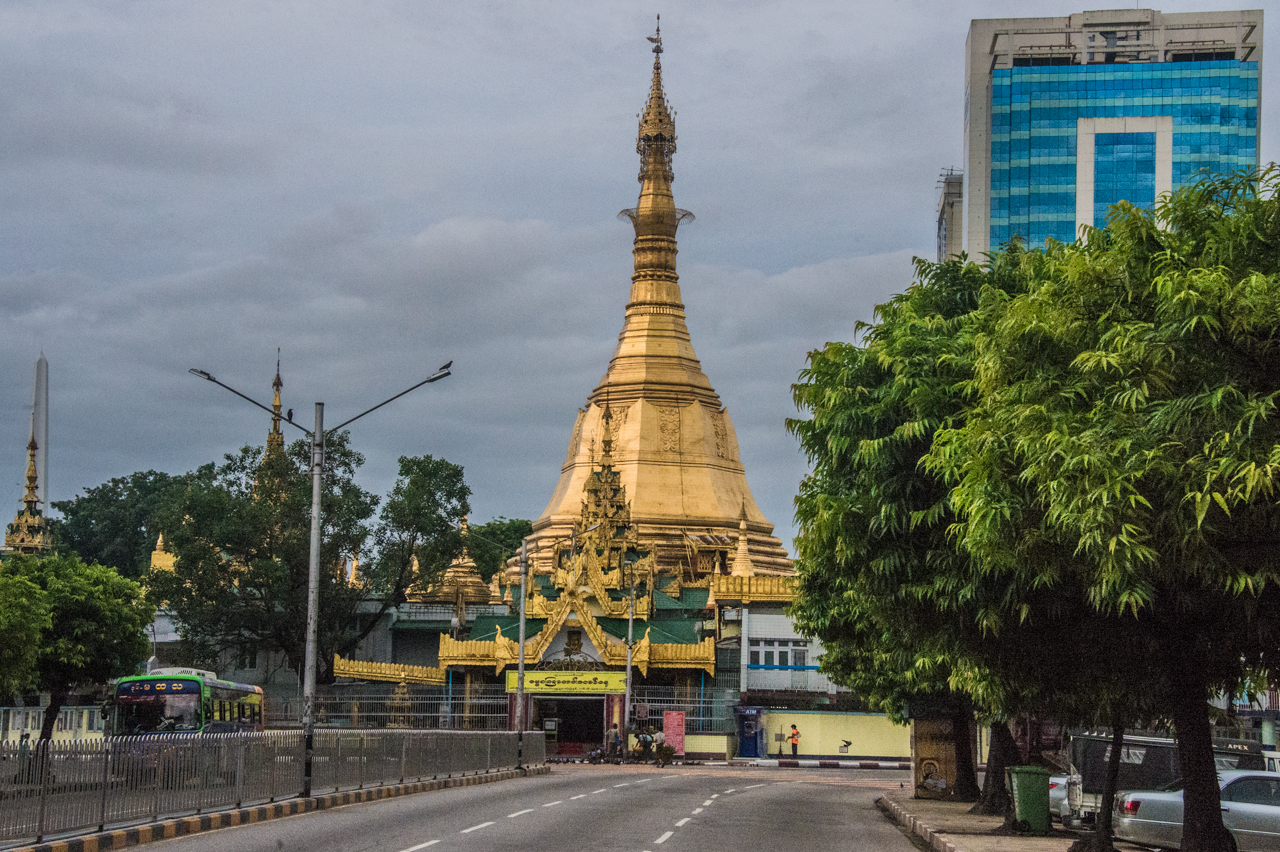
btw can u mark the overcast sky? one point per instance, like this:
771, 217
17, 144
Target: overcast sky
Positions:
379, 187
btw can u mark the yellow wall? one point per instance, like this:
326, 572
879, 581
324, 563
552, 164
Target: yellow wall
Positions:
822, 733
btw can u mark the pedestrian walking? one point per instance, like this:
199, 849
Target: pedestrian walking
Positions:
659, 747
795, 740
613, 741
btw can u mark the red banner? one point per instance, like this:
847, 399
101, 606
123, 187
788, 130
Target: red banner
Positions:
673, 729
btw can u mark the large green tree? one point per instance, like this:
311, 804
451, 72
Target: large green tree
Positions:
240, 532
114, 523
1124, 440
904, 612
493, 542
96, 627
24, 615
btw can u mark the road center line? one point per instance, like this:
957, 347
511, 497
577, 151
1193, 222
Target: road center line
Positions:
730, 791
475, 828
642, 780
512, 816
421, 846
715, 795
680, 824
707, 803
753, 786
601, 790
556, 802
663, 838
623, 784
579, 796
697, 811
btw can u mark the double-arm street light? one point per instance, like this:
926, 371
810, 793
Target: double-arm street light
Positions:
313, 568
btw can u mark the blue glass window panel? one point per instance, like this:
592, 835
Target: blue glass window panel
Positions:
1034, 112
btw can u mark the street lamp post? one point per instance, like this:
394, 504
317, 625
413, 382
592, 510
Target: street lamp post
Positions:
313, 563
524, 577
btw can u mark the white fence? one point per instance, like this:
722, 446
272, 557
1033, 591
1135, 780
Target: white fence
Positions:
59, 788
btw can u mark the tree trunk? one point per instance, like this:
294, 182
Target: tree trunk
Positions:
57, 698
1003, 753
966, 789
1202, 829
1102, 828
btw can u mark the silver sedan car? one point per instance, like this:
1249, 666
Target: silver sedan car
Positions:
1250, 810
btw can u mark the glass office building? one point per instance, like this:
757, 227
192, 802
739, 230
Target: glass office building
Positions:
1034, 142
1066, 116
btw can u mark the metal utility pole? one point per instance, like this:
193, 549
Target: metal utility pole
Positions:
313, 603
631, 620
524, 577
313, 562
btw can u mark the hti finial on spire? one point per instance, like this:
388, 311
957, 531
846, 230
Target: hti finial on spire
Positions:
656, 38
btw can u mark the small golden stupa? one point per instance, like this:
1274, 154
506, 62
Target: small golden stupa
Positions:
29, 532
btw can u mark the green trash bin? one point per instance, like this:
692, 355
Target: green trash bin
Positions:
1029, 786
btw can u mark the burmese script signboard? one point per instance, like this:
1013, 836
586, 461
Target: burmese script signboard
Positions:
591, 683
673, 729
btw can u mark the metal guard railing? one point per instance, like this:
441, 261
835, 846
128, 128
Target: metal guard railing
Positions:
63, 787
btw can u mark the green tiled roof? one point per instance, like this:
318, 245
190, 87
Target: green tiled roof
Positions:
670, 631
485, 627
690, 599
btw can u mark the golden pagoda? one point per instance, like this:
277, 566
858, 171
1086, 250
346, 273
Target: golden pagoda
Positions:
461, 585
674, 445
29, 532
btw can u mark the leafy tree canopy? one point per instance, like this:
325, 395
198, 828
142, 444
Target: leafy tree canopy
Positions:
96, 627
241, 534
24, 615
114, 523
495, 541
1123, 439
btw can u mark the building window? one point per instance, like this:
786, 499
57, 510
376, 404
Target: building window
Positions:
247, 661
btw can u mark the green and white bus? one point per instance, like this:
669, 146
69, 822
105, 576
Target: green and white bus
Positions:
184, 701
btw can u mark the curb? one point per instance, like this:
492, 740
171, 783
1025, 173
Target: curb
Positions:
181, 826
932, 839
784, 763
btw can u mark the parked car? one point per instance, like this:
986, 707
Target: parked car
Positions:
1146, 763
1250, 811
1057, 796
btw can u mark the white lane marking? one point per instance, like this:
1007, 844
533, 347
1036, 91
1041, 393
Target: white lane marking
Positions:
601, 790
421, 846
707, 803
623, 784
642, 780
697, 811
715, 795
556, 802
753, 786
579, 796
680, 824
475, 828
512, 816
663, 838
730, 791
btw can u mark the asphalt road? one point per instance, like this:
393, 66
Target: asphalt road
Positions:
604, 808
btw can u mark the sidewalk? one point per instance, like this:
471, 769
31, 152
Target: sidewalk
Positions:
804, 763
949, 827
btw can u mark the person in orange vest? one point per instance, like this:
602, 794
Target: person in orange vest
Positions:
795, 741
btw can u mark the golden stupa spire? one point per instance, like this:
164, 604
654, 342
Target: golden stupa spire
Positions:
656, 216
275, 438
28, 532
31, 499
671, 460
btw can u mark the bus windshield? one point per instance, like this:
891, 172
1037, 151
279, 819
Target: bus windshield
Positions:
156, 708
